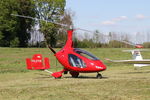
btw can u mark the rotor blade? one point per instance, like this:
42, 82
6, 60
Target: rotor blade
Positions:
39, 19
127, 42
51, 49
50, 22
84, 30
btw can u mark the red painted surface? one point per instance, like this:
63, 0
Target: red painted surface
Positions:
91, 65
74, 60
37, 63
139, 46
58, 74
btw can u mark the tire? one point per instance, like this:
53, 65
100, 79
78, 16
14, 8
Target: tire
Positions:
99, 76
74, 74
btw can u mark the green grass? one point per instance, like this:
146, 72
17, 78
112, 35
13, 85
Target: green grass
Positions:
120, 82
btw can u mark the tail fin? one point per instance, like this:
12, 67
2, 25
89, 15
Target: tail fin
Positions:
136, 55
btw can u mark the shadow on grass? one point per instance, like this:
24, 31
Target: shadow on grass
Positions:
85, 77
40, 76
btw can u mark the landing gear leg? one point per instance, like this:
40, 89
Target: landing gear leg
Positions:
99, 76
65, 72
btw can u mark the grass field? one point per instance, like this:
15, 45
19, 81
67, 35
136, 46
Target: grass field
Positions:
119, 82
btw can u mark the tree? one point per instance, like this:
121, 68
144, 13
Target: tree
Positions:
15, 29
51, 10
7, 24
26, 8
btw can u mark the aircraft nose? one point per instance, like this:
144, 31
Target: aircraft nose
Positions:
101, 67
104, 67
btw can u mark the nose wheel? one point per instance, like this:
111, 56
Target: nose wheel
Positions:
99, 76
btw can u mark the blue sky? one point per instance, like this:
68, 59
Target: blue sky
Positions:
111, 15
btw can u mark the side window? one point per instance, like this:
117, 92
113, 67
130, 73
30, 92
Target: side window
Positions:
76, 61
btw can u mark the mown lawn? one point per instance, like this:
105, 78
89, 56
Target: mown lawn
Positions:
120, 82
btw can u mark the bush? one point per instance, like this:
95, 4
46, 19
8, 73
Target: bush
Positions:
15, 42
146, 44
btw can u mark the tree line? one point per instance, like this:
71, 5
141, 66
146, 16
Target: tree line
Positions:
24, 32
112, 40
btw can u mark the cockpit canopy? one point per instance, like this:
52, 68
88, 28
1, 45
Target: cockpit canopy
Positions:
85, 54
75, 61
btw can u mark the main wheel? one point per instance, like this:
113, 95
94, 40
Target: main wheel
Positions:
74, 74
99, 76
65, 72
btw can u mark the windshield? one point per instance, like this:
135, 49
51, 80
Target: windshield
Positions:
85, 54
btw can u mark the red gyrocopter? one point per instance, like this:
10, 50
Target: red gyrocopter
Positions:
74, 60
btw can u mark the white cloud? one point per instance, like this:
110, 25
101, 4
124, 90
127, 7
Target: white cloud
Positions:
108, 23
114, 20
123, 17
120, 18
140, 16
